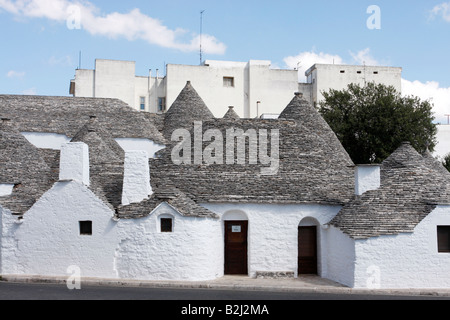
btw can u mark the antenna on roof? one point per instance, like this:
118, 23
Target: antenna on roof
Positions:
79, 60
201, 34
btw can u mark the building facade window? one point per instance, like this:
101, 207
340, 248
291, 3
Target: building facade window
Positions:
142, 103
228, 82
85, 228
166, 224
161, 104
443, 238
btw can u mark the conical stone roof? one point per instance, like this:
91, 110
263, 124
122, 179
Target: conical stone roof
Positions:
187, 108
106, 161
231, 114
307, 116
23, 166
102, 147
19, 159
411, 187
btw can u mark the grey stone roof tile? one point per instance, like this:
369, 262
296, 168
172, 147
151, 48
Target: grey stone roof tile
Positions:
411, 187
187, 108
170, 195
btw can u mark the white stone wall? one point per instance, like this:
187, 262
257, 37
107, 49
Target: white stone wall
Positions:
443, 141
329, 76
74, 162
129, 144
367, 177
405, 260
84, 83
48, 240
46, 140
136, 177
6, 189
253, 81
340, 257
273, 233
115, 79
193, 251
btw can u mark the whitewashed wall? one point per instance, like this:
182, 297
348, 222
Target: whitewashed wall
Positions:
131, 144
340, 257
405, 260
46, 140
6, 189
193, 251
48, 241
273, 233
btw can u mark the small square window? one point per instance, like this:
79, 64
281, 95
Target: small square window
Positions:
166, 225
85, 228
228, 82
142, 103
358, 72
375, 72
443, 234
342, 71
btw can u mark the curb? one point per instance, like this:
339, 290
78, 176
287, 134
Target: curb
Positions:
223, 286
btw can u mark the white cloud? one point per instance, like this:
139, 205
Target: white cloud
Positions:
431, 90
29, 92
442, 10
132, 26
15, 74
304, 60
364, 57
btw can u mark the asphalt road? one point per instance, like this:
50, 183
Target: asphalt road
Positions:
23, 291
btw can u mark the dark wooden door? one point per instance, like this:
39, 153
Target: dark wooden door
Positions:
307, 250
236, 247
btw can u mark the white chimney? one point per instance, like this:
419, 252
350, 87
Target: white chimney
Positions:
367, 177
136, 177
74, 163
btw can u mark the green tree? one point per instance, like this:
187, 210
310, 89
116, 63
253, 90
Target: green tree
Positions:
372, 121
446, 162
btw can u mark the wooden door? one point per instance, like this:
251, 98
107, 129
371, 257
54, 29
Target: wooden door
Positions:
307, 250
236, 247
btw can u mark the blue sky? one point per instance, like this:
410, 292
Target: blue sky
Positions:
41, 39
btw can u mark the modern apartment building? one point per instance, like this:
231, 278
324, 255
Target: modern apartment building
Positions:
253, 88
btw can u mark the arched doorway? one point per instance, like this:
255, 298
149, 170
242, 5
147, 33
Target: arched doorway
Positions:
307, 246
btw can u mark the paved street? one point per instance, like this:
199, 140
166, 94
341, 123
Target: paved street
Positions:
23, 291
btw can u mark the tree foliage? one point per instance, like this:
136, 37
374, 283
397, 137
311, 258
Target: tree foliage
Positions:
446, 162
372, 121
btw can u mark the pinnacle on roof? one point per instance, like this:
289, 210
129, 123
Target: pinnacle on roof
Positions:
297, 109
231, 114
187, 108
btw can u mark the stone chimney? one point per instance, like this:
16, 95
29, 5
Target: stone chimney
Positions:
74, 163
136, 178
367, 177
